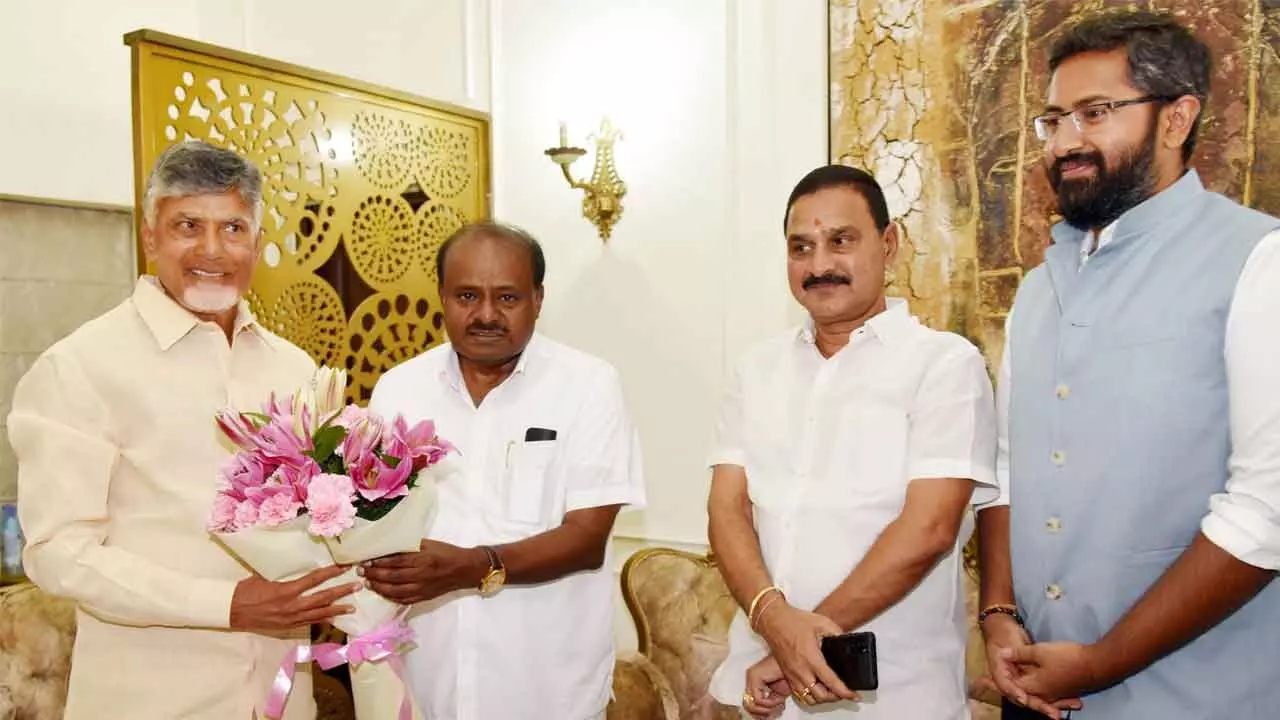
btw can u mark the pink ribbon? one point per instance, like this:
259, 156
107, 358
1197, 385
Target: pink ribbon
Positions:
386, 642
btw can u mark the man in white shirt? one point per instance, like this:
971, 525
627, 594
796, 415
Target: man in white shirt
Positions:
118, 464
1138, 535
516, 599
848, 453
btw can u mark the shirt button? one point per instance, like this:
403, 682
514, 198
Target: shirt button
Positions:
1052, 591
1057, 457
1062, 392
1053, 524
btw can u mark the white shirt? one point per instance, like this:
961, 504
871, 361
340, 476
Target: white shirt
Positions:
1245, 519
534, 651
829, 446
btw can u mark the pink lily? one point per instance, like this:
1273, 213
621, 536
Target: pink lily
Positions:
239, 428
244, 471
376, 479
420, 443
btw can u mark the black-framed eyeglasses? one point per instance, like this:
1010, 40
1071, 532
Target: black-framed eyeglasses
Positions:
1088, 118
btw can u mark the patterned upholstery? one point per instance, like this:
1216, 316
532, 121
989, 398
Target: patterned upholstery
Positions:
640, 692
36, 635
682, 612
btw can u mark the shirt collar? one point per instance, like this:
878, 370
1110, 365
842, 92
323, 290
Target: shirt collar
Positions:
452, 371
168, 321
1088, 246
888, 326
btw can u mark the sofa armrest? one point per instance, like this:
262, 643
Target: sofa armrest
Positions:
640, 691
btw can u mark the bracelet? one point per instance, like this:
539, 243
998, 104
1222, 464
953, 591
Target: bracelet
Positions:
751, 613
763, 608
1010, 610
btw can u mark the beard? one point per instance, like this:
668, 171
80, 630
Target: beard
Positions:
209, 298
1094, 203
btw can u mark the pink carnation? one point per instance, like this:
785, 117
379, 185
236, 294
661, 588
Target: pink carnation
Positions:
223, 516
331, 504
246, 516
278, 509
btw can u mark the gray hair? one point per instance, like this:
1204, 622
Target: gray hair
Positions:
1166, 60
195, 167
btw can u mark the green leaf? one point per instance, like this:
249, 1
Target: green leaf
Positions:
326, 441
376, 509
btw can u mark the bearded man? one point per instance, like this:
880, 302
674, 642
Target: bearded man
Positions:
1127, 568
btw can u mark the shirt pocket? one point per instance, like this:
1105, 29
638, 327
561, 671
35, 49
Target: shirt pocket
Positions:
866, 462
528, 480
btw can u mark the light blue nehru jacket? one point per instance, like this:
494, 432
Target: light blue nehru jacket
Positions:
1118, 437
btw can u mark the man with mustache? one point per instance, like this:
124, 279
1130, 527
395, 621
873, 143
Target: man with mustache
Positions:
515, 597
848, 452
118, 463
1139, 528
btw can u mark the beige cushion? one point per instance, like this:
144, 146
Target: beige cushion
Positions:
36, 635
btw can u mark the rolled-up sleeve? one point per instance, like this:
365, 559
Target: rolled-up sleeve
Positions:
604, 456
61, 434
1245, 519
953, 423
729, 445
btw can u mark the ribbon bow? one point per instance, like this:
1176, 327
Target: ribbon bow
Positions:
386, 642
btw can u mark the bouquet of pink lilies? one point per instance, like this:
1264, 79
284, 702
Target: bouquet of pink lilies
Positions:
316, 482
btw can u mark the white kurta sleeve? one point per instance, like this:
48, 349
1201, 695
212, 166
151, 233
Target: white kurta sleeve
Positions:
1244, 520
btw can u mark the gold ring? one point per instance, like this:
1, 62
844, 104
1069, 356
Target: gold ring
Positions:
748, 699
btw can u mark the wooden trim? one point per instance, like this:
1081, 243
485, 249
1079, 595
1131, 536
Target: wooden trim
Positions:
65, 204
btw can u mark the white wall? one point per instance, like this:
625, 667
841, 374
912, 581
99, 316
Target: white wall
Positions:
722, 104
65, 126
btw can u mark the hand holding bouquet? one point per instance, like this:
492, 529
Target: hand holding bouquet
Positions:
314, 483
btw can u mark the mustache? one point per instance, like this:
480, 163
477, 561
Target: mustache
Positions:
487, 328
1091, 158
828, 278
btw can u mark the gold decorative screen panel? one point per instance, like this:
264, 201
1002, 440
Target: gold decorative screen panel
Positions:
936, 97
362, 184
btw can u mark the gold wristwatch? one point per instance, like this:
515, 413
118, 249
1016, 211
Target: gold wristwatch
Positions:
497, 575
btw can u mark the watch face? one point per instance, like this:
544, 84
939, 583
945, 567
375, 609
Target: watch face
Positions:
493, 581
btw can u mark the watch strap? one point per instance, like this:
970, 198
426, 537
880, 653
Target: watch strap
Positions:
495, 561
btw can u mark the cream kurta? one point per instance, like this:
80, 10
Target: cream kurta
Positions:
118, 459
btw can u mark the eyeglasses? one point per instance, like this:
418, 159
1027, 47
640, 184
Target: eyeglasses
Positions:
1088, 118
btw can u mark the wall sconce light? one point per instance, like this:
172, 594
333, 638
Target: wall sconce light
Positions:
602, 194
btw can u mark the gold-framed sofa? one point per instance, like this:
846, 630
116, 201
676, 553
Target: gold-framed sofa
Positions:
682, 609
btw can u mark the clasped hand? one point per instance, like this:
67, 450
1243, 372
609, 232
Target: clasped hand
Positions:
795, 640
1046, 677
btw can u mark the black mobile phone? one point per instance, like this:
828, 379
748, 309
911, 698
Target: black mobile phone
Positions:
537, 434
852, 656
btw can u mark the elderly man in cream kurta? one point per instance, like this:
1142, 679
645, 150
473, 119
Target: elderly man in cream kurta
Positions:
118, 460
